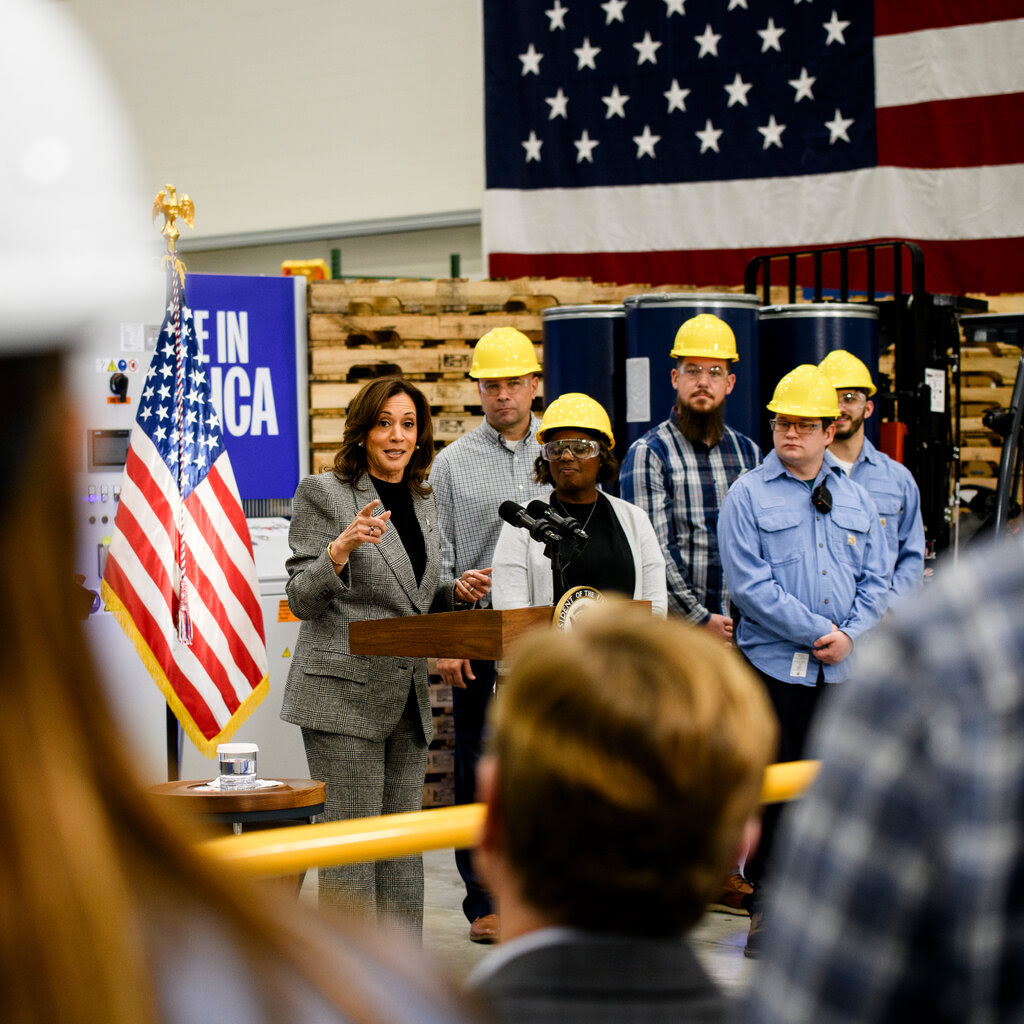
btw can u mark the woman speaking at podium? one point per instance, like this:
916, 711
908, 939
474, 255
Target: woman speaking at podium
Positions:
621, 553
365, 545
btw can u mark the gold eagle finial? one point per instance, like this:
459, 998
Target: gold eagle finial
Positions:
173, 206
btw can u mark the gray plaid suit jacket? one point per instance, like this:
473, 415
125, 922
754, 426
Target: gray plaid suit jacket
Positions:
328, 688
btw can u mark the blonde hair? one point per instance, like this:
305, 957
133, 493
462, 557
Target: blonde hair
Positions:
630, 754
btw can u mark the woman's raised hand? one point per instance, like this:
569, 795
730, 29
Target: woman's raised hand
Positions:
366, 528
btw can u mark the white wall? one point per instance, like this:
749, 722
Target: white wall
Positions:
297, 117
395, 254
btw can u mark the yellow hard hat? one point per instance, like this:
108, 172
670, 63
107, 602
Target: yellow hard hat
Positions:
845, 370
576, 410
805, 391
504, 352
705, 336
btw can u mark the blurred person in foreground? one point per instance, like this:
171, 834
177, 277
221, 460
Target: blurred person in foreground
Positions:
365, 545
106, 911
899, 894
621, 554
623, 776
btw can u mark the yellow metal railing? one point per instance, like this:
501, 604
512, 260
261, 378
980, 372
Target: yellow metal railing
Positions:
787, 781
286, 851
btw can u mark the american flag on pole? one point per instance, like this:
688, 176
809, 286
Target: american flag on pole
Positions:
672, 140
180, 575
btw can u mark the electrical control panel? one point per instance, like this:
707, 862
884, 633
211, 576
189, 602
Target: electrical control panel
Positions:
108, 384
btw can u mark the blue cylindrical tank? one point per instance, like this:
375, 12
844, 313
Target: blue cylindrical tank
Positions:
584, 351
806, 333
651, 324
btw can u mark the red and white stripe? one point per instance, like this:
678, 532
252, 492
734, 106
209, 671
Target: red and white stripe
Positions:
214, 684
950, 102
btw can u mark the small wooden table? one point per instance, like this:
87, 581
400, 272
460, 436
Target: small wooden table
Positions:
295, 800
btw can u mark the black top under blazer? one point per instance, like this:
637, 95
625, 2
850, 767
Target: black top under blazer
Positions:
328, 688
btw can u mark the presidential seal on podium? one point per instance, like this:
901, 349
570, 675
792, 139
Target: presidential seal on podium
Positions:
573, 603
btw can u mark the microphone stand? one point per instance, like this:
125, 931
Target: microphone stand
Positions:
561, 552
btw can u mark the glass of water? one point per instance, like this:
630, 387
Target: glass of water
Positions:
237, 765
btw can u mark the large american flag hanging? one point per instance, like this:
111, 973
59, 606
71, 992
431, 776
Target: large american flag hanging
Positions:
180, 575
671, 140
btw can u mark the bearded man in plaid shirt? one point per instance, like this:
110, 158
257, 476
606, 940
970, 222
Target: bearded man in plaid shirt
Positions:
679, 473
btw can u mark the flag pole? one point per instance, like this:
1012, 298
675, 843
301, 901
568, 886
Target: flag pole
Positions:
171, 206
180, 577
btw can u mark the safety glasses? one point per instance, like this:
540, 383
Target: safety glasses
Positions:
852, 397
577, 448
805, 427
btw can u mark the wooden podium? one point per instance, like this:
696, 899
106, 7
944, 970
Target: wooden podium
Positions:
482, 633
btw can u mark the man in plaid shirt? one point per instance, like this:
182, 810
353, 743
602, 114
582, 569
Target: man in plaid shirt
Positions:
471, 477
680, 470
900, 886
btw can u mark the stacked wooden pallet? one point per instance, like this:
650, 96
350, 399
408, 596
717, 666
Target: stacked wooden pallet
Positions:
439, 785
989, 362
523, 294
424, 330
988, 371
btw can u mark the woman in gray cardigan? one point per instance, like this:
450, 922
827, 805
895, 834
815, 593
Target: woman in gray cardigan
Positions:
365, 545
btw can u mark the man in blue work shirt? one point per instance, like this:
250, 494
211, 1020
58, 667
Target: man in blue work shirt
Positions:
892, 488
806, 563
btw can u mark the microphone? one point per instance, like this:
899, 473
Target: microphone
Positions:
514, 514
542, 510
539, 529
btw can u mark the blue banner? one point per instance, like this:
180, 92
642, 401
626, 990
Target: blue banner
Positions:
252, 338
